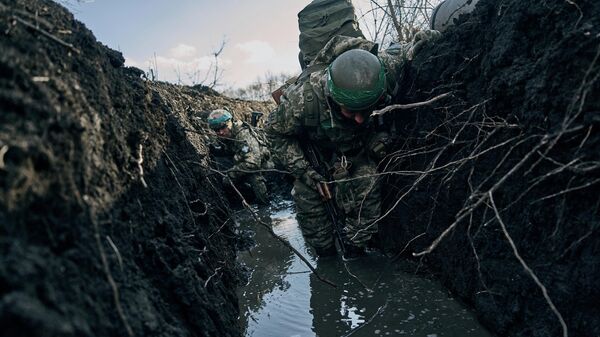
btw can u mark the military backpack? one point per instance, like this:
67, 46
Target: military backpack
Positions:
321, 20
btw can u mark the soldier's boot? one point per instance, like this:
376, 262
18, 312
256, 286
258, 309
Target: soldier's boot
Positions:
353, 252
325, 251
374, 244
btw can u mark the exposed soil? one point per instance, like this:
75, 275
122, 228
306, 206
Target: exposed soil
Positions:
89, 245
522, 123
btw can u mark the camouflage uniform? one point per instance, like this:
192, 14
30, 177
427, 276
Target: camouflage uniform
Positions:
250, 153
357, 190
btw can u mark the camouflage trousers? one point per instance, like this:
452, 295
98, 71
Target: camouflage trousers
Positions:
358, 196
255, 184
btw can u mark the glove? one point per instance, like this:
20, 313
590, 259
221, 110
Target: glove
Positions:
378, 146
421, 39
311, 178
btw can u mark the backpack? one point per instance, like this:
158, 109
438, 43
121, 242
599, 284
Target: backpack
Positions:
319, 21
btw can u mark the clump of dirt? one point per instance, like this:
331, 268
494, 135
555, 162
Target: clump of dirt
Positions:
111, 222
513, 152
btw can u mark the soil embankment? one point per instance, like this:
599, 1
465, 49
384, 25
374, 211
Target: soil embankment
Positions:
516, 145
110, 222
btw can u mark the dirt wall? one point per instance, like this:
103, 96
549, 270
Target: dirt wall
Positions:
111, 223
512, 152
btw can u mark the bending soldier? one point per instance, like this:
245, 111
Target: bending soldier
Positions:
329, 107
249, 150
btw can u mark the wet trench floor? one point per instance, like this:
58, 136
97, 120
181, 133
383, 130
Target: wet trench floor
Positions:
372, 298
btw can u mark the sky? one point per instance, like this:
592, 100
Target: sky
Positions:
260, 36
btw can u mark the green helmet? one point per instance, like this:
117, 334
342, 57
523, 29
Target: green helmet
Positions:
356, 79
218, 119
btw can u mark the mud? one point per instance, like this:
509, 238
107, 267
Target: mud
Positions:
110, 222
522, 123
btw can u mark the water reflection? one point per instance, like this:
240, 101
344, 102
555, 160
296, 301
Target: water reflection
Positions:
371, 298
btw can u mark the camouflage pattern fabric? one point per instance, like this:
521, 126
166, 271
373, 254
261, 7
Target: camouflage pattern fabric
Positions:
250, 153
336, 138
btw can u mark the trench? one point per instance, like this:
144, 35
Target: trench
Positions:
373, 296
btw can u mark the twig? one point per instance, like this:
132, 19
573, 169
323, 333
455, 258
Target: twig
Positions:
105, 266
270, 230
526, 267
357, 279
114, 247
379, 310
3, 151
568, 190
139, 162
180, 187
211, 276
46, 34
397, 255
407, 106
574, 244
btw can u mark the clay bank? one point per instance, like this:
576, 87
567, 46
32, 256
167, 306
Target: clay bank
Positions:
114, 223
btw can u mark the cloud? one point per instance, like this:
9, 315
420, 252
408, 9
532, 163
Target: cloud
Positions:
180, 65
258, 52
182, 51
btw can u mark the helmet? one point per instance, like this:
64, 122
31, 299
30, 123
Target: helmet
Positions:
356, 79
218, 119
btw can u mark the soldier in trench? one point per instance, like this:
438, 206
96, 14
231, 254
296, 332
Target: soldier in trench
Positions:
248, 149
330, 107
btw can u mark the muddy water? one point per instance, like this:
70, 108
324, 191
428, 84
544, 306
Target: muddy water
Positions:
282, 298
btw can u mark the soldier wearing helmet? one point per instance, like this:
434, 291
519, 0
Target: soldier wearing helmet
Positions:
249, 151
330, 107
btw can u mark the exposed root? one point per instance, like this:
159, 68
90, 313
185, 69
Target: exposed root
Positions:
139, 162
408, 106
116, 250
527, 268
106, 267
3, 151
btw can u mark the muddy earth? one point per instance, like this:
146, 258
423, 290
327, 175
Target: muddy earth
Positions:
517, 141
113, 223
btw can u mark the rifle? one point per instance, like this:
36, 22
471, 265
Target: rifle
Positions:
332, 208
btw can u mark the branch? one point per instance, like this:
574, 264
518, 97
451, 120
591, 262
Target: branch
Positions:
46, 34
408, 106
270, 230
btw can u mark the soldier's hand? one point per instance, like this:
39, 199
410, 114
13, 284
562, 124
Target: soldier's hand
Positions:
379, 145
421, 39
324, 190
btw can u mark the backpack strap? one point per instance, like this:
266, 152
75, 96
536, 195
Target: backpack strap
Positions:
311, 106
311, 102
305, 74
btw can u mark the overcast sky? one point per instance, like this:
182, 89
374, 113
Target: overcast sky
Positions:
261, 35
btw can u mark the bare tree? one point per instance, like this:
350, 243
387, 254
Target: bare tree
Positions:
261, 88
395, 20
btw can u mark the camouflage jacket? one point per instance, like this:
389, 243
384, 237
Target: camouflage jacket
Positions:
330, 132
249, 148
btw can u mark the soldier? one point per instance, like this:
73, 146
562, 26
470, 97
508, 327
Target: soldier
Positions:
329, 106
249, 150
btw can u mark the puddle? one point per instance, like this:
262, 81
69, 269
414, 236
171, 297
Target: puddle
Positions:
282, 298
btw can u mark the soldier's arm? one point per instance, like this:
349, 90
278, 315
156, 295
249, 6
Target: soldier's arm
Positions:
284, 127
247, 156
